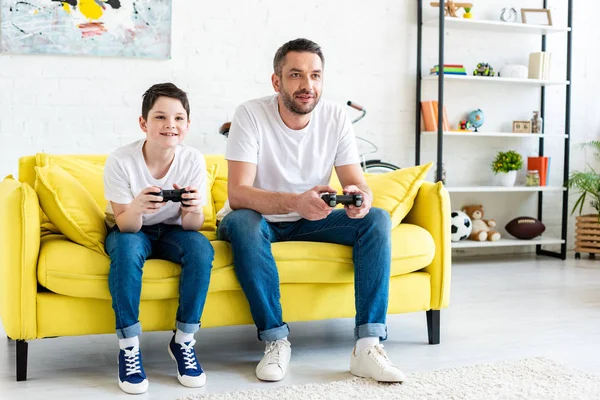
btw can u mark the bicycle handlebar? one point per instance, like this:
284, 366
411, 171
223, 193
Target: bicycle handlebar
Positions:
355, 106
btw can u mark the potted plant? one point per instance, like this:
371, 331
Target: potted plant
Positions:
506, 164
587, 183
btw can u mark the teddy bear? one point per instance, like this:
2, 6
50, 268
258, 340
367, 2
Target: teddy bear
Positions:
481, 227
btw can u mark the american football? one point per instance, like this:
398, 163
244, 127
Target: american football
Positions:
525, 228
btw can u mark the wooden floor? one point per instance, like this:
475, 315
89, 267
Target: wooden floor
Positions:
500, 310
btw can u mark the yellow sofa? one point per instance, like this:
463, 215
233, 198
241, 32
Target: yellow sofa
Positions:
51, 286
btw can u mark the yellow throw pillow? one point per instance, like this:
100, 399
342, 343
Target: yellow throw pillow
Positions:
90, 173
210, 215
395, 191
70, 207
219, 193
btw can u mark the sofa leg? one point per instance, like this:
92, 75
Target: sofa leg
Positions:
21, 360
433, 326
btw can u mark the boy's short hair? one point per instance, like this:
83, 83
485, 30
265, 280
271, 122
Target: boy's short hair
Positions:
299, 45
163, 89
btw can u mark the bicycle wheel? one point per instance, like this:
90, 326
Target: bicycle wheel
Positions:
379, 167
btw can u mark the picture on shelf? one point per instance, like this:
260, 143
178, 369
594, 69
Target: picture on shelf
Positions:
536, 16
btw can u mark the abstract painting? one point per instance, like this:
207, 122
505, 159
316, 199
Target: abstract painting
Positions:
110, 28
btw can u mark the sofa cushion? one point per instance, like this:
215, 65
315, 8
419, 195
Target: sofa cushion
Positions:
73, 270
70, 207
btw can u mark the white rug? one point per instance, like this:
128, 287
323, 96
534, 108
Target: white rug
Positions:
529, 379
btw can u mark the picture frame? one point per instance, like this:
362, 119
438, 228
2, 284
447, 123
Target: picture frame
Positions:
536, 16
521, 127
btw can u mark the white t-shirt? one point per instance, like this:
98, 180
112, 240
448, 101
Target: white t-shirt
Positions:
287, 160
126, 175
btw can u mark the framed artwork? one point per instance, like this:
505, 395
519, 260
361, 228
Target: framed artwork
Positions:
521, 127
109, 28
536, 16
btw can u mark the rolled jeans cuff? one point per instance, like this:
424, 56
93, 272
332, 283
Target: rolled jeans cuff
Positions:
274, 334
187, 328
130, 331
371, 330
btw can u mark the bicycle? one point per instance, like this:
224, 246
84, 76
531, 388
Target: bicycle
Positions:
372, 166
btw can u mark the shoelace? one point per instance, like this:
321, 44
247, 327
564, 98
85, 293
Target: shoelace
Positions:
273, 349
132, 361
188, 355
380, 356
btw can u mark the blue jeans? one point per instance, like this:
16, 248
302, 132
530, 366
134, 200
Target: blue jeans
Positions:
251, 236
128, 253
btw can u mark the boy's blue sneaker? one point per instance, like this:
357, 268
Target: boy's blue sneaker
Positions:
189, 370
132, 378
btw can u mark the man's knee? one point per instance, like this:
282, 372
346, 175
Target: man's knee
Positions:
379, 219
246, 223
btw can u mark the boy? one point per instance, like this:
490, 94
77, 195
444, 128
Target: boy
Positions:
142, 226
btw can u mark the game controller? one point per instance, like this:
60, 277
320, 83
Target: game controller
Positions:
332, 199
173, 195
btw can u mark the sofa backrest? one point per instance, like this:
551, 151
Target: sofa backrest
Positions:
94, 181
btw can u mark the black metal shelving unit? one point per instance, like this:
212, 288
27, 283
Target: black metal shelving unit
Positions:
440, 133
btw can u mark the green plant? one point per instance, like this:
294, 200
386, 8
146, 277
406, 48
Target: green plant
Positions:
507, 161
587, 182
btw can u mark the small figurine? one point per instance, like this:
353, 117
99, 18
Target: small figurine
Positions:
484, 69
467, 13
464, 125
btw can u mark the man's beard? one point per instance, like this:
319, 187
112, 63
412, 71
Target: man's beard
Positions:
288, 102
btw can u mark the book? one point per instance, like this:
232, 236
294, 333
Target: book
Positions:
536, 65
449, 73
541, 165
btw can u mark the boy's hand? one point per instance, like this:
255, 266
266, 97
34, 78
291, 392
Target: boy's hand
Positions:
311, 206
147, 203
357, 212
192, 201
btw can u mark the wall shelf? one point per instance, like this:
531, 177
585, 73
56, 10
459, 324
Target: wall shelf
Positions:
471, 244
496, 26
495, 134
483, 189
496, 80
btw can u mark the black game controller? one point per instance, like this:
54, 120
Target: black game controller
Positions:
173, 195
346, 199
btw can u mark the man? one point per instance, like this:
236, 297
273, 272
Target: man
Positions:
281, 151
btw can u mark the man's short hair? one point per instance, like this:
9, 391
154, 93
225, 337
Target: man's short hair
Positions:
167, 90
298, 45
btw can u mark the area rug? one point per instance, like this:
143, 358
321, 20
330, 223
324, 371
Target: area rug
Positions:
535, 378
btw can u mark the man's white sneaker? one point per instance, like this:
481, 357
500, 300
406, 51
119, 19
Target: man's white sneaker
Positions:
374, 363
274, 363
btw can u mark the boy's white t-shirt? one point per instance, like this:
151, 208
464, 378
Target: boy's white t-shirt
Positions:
287, 160
126, 175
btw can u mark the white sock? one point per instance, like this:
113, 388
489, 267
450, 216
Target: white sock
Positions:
129, 342
182, 337
365, 343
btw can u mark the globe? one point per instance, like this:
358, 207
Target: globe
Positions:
475, 118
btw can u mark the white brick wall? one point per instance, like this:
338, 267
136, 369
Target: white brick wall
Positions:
222, 55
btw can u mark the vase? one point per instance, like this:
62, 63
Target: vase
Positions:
507, 178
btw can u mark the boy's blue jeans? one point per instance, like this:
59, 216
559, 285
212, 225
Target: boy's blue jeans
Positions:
129, 251
251, 236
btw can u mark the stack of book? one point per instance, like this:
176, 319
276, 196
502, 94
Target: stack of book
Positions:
449, 69
539, 65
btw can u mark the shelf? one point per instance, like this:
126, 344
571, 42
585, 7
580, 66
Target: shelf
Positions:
493, 79
496, 134
469, 244
496, 26
470, 189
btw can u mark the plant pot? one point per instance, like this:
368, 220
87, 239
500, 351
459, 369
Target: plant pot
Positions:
587, 234
507, 178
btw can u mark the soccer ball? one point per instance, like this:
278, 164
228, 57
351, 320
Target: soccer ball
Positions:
461, 226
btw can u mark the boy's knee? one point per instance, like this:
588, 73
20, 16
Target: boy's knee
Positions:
379, 219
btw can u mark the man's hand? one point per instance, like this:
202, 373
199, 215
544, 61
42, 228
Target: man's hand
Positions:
311, 206
146, 203
357, 212
190, 202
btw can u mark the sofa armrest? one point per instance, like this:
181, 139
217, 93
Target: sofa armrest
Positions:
19, 250
431, 211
